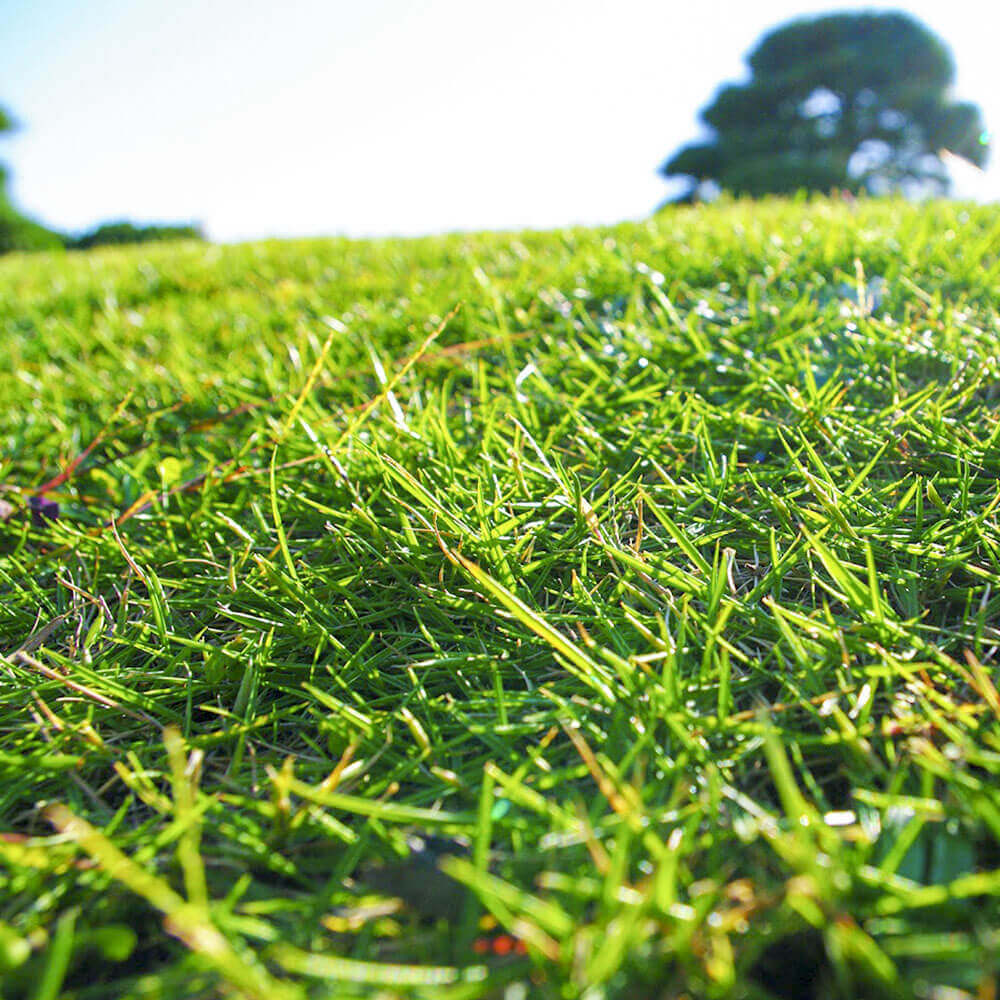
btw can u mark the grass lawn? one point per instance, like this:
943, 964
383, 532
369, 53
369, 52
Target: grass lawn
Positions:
603, 613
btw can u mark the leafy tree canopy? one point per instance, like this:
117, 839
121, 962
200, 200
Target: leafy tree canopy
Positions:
857, 101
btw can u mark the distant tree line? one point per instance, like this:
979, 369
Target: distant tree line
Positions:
127, 232
18, 232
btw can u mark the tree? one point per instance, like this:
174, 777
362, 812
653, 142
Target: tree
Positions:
16, 231
856, 101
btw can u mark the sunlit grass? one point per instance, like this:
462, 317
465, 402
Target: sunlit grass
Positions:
647, 574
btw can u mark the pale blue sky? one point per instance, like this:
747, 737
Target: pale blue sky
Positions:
386, 116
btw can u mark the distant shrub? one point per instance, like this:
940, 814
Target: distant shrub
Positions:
110, 233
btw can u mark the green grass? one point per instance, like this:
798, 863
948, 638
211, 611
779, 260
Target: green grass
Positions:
651, 571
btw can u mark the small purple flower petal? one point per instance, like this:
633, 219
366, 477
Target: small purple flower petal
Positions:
42, 510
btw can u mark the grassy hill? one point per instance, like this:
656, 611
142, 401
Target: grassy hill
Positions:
601, 613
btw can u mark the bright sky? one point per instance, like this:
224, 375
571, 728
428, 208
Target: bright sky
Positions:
370, 117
